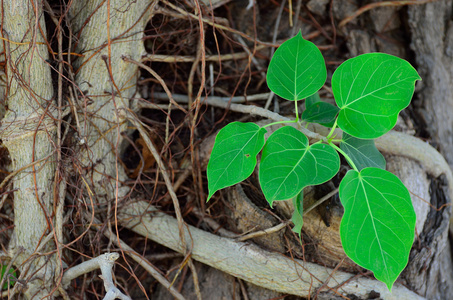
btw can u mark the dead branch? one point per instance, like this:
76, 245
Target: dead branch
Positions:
249, 262
140, 260
104, 262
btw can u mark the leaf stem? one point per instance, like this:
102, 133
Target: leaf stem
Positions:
279, 122
285, 122
297, 111
332, 130
350, 162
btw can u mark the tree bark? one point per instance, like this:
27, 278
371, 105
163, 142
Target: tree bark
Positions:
432, 41
105, 83
105, 32
28, 132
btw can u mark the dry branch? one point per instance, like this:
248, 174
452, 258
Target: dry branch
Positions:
105, 263
144, 263
251, 263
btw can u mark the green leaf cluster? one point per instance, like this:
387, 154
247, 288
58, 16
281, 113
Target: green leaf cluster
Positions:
370, 90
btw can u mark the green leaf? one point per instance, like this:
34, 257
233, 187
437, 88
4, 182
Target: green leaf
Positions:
289, 163
321, 112
378, 225
297, 69
297, 217
233, 157
370, 90
312, 100
362, 152
4, 273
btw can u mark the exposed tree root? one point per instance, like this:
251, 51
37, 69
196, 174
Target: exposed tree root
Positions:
251, 263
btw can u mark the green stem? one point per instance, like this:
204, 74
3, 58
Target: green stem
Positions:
350, 162
297, 111
332, 130
279, 122
285, 122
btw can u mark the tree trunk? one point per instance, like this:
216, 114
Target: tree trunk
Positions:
29, 134
106, 84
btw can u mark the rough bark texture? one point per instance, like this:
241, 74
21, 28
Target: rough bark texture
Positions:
28, 132
432, 41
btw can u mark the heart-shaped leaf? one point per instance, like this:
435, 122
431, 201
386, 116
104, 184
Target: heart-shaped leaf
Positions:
321, 112
289, 163
378, 226
297, 69
362, 152
233, 157
370, 90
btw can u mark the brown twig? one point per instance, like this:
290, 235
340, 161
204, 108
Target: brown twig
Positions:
214, 58
141, 128
12, 174
205, 20
59, 188
320, 201
157, 76
184, 99
266, 231
256, 110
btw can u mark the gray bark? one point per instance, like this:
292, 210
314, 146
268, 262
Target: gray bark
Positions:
106, 92
28, 132
432, 41
28, 128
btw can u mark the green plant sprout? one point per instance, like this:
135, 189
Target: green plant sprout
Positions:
370, 90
